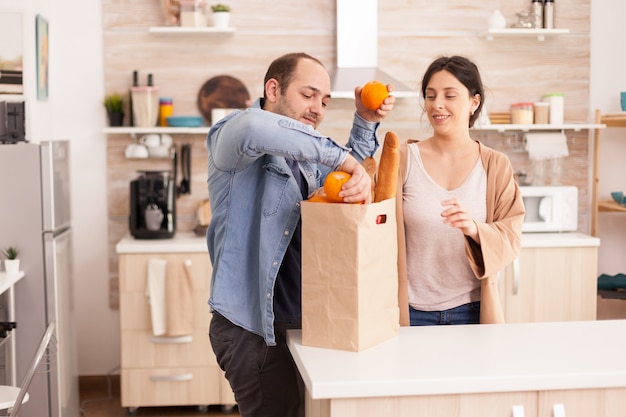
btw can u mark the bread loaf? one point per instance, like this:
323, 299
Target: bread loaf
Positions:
387, 178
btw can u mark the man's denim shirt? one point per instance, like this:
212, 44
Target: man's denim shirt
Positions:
255, 203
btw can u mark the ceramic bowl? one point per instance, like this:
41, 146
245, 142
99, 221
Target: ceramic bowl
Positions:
161, 151
184, 121
618, 197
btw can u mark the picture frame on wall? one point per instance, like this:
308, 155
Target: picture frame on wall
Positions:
11, 53
42, 40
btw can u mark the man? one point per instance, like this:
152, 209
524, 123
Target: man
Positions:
262, 162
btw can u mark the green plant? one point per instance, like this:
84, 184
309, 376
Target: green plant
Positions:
220, 8
11, 252
114, 103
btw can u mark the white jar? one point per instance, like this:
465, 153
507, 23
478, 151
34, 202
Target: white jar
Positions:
557, 105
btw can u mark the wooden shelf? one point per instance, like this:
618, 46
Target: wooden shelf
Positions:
614, 119
133, 131
610, 205
540, 34
525, 128
603, 206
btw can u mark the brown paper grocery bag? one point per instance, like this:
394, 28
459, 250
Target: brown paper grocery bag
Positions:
349, 274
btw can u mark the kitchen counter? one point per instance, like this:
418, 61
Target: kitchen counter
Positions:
180, 243
558, 240
192, 243
470, 359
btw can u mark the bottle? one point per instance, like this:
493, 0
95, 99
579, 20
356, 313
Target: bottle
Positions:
166, 109
548, 14
130, 97
537, 11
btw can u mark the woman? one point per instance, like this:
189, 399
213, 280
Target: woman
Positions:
460, 211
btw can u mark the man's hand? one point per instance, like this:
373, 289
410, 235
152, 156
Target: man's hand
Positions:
359, 187
378, 114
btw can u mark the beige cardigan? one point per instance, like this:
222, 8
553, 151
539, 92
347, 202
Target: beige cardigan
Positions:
500, 235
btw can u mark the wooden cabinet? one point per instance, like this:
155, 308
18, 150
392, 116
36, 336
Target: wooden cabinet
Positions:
550, 284
161, 370
609, 402
611, 121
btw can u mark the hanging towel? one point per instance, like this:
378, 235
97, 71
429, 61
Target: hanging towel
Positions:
156, 294
546, 145
179, 299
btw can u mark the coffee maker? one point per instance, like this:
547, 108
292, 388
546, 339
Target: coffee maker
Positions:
153, 205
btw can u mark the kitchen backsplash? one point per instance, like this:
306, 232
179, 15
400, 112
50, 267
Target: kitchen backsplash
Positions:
411, 34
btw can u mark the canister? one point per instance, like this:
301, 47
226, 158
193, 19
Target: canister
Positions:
166, 109
542, 112
522, 113
557, 102
192, 13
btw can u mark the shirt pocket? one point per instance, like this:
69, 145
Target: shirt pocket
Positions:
277, 180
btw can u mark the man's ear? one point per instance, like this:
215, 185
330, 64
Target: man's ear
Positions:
272, 89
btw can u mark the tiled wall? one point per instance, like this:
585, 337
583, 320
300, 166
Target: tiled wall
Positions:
411, 33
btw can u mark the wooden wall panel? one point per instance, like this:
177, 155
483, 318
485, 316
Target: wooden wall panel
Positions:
411, 34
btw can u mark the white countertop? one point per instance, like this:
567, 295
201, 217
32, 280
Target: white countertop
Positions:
470, 359
180, 243
192, 243
558, 240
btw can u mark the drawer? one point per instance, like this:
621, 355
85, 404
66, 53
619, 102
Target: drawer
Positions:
141, 349
135, 311
170, 386
133, 270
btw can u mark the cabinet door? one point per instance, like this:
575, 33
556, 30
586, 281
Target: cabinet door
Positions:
551, 284
501, 404
610, 402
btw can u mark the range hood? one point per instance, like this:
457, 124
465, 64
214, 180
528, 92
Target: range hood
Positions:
357, 50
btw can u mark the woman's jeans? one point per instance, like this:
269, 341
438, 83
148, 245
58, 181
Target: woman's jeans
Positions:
463, 314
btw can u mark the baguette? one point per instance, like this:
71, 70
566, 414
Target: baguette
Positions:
369, 164
387, 179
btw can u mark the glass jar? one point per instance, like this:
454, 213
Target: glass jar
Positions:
166, 109
192, 13
522, 113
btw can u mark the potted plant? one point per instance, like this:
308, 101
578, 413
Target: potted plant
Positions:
114, 105
221, 15
12, 262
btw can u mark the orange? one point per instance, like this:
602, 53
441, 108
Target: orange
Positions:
319, 198
373, 94
333, 183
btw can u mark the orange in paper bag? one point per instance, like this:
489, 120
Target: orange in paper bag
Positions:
333, 183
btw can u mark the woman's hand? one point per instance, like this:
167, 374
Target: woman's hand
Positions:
374, 115
456, 215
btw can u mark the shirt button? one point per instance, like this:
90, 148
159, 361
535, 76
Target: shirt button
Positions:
269, 295
275, 263
286, 232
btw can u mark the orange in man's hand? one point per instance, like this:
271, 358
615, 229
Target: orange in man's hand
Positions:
373, 94
333, 183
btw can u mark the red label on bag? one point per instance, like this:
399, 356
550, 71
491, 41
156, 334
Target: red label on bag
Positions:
381, 219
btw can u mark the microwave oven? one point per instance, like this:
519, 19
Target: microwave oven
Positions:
550, 208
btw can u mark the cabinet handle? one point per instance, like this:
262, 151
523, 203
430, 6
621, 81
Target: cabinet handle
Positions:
174, 378
558, 410
515, 276
518, 411
175, 339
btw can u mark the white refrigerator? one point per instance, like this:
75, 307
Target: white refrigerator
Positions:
35, 216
